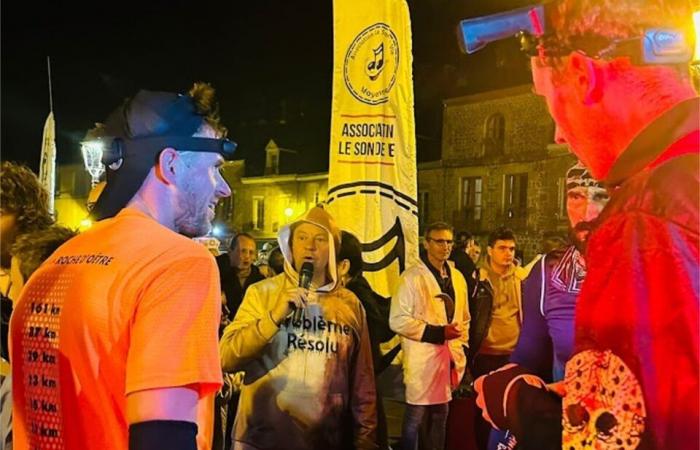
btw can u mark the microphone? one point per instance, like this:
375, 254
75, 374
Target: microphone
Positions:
305, 275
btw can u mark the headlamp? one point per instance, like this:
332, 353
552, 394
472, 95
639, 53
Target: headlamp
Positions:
655, 46
118, 148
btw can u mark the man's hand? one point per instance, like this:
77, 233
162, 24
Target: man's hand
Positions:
558, 388
293, 298
452, 331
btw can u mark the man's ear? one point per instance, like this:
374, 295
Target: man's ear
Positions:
586, 77
167, 167
343, 268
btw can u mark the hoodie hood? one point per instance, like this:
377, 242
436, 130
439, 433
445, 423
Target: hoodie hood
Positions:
319, 217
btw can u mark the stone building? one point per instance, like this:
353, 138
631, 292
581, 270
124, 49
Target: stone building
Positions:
499, 167
261, 205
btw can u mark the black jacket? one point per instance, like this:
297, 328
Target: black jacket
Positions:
231, 286
464, 264
377, 312
481, 312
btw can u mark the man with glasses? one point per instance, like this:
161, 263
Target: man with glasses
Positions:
429, 310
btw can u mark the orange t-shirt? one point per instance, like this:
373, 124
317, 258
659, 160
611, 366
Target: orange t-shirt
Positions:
129, 305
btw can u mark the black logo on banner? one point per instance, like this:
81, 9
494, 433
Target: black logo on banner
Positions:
371, 64
398, 252
387, 191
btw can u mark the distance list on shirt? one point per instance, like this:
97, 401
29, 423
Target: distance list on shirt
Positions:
40, 342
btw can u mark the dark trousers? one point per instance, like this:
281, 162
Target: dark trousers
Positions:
415, 416
481, 365
382, 426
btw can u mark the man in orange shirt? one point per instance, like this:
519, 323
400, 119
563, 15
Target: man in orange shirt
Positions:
114, 338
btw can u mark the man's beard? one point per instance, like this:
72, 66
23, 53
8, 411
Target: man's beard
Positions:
579, 235
194, 221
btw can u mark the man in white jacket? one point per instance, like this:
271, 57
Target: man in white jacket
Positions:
429, 311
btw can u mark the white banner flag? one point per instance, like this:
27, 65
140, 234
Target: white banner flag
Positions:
372, 178
47, 168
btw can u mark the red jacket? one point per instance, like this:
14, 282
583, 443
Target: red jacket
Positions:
633, 380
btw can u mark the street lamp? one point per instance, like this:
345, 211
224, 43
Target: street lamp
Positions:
92, 157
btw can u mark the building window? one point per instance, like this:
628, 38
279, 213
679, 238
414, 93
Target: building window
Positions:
423, 209
472, 189
494, 134
258, 213
515, 198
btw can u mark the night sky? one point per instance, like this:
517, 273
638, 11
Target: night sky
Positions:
269, 60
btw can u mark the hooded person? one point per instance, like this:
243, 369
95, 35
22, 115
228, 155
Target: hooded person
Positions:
309, 380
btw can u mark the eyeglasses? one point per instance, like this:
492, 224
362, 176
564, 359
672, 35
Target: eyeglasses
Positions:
442, 241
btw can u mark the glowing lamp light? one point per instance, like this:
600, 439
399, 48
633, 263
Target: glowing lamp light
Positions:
85, 224
92, 157
216, 231
288, 212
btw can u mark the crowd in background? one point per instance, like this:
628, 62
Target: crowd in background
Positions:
244, 262
120, 337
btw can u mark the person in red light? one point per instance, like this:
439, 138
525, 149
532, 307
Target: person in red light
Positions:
615, 77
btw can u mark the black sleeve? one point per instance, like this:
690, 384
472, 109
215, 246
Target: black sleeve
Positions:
158, 434
434, 334
376, 309
381, 321
466, 266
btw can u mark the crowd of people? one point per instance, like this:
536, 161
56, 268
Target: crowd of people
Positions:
132, 335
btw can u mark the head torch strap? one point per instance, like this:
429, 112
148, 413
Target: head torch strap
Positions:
659, 45
122, 148
656, 46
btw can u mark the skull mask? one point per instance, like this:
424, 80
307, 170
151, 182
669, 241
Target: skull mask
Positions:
603, 407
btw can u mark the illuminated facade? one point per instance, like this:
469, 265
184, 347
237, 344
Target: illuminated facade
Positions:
499, 167
261, 205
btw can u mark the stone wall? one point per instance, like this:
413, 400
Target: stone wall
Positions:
527, 149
